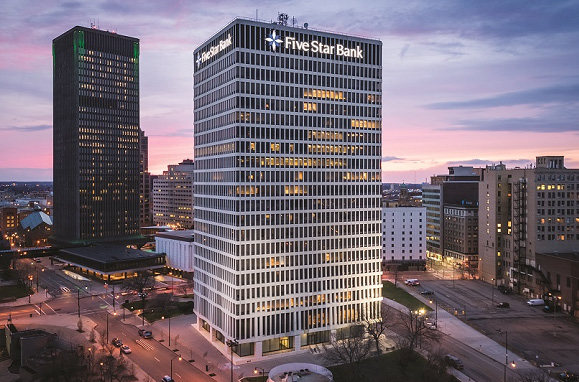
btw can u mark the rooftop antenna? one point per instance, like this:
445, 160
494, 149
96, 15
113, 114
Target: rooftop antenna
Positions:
294, 21
256, 19
306, 25
282, 19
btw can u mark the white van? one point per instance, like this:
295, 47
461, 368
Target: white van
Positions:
536, 302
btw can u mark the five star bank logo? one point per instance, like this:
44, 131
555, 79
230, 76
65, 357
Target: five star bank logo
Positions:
198, 61
273, 40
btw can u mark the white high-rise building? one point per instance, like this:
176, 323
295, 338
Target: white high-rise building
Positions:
287, 185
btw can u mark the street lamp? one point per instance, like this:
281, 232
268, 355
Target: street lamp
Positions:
29, 287
506, 353
436, 310
257, 370
232, 343
107, 313
493, 293
172, 359
169, 318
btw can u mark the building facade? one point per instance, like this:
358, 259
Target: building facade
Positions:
287, 185
404, 237
146, 203
455, 194
527, 211
173, 196
179, 247
96, 136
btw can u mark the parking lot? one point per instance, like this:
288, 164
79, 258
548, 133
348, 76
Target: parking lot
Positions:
541, 338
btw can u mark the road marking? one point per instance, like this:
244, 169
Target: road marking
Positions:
177, 375
50, 308
145, 345
158, 359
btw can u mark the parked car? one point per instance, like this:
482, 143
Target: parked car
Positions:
505, 289
549, 308
567, 376
503, 305
431, 325
167, 379
117, 342
536, 302
125, 349
427, 292
145, 333
454, 362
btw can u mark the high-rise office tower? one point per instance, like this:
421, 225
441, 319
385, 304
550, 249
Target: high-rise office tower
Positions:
173, 196
287, 185
145, 194
96, 136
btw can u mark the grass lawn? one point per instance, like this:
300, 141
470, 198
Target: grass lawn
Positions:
185, 307
401, 296
388, 367
13, 291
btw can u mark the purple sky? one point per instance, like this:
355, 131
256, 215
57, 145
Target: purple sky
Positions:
465, 82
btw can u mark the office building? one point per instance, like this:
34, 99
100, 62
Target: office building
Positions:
96, 136
287, 186
179, 247
525, 212
404, 237
146, 215
451, 202
173, 196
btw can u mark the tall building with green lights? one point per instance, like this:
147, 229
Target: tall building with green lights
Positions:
96, 136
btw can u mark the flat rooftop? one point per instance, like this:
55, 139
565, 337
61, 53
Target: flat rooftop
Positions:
184, 235
110, 259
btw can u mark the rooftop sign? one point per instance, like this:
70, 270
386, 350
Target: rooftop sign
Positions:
214, 50
291, 43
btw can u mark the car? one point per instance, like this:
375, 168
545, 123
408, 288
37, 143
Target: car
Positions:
167, 379
454, 362
549, 308
503, 305
427, 292
568, 376
431, 325
145, 333
125, 349
117, 342
412, 282
36, 259
536, 302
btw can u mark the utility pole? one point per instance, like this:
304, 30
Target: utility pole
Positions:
78, 300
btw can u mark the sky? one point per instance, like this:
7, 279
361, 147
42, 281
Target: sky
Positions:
465, 82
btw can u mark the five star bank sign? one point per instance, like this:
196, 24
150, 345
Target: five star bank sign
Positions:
274, 41
291, 43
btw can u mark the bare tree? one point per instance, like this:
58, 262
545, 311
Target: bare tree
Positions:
412, 331
348, 348
185, 285
376, 328
143, 282
532, 376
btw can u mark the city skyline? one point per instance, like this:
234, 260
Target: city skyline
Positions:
463, 84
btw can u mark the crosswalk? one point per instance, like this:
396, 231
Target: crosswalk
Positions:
146, 344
